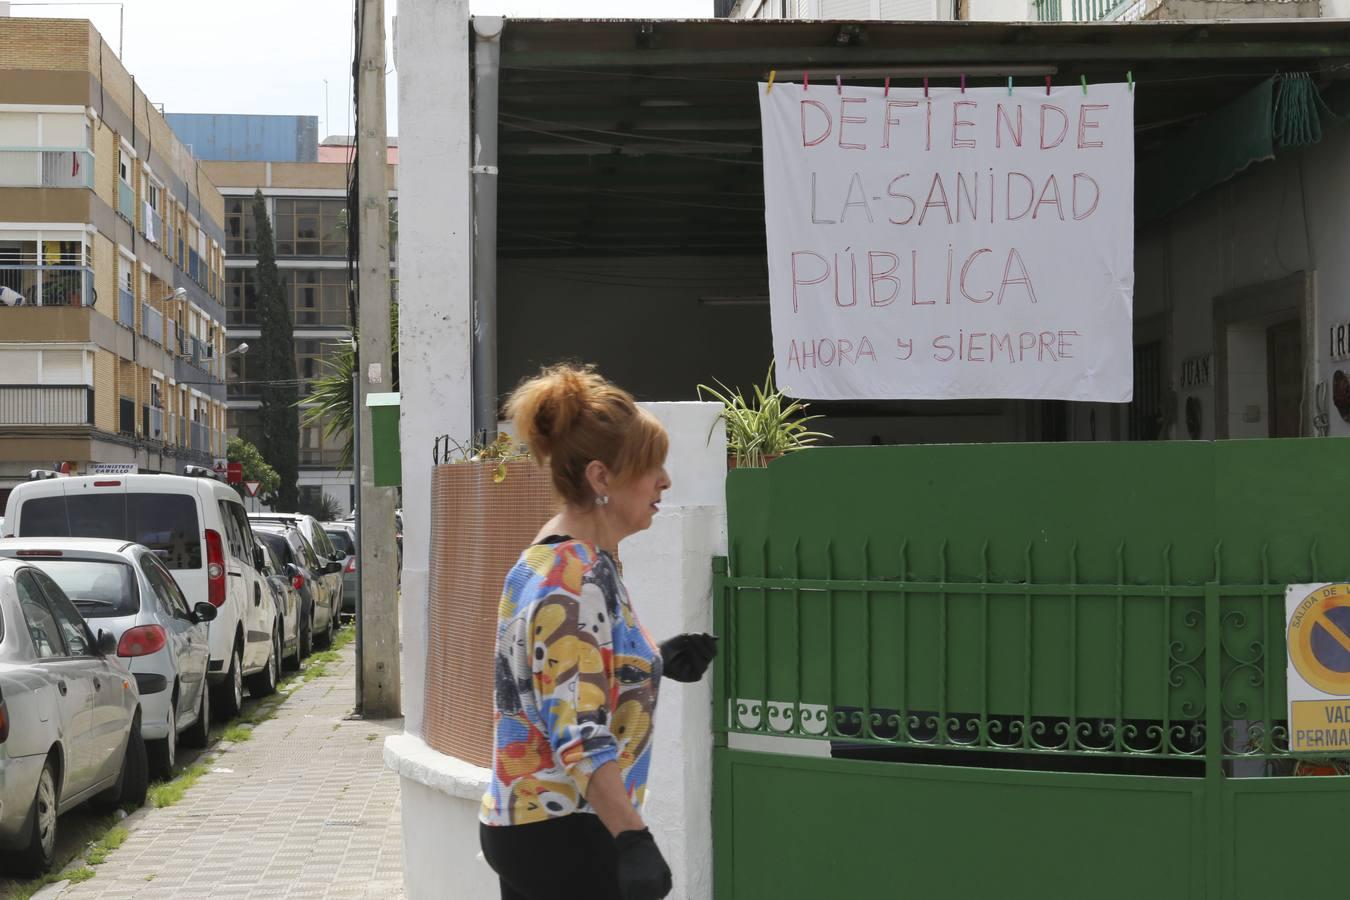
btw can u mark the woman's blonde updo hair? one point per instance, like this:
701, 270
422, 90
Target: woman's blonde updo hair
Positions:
569, 415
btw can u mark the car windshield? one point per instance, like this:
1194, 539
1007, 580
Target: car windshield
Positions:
341, 540
166, 523
98, 588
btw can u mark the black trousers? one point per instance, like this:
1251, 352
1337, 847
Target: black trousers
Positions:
568, 858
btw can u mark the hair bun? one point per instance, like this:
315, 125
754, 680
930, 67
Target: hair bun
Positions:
545, 408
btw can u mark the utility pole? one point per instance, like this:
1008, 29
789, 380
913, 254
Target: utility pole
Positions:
379, 684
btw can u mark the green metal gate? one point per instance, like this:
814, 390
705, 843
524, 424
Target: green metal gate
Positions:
1051, 671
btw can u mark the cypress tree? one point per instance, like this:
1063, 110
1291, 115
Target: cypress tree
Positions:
279, 442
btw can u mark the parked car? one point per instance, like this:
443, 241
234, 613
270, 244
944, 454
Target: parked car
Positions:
124, 589
343, 536
70, 717
330, 559
290, 604
199, 530
319, 616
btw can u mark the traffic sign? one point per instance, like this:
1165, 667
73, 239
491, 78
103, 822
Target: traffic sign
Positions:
252, 487
1318, 681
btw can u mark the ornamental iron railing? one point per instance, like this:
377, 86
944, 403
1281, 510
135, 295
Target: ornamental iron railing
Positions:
1093, 606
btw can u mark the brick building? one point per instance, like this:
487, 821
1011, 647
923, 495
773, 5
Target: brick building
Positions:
112, 266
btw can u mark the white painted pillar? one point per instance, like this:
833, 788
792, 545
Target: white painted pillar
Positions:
435, 285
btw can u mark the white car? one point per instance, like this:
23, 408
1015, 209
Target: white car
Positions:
70, 717
197, 527
124, 589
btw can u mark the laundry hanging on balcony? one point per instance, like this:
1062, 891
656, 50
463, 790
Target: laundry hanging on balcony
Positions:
1282, 112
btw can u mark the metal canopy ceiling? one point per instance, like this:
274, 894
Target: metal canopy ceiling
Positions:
639, 138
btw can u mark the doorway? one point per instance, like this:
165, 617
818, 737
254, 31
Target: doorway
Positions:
1261, 346
1284, 374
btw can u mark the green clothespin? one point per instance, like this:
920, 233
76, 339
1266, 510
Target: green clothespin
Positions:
1129, 76
1009, 85
1083, 80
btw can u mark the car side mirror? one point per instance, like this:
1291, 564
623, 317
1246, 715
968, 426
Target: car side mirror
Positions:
332, 568
107, 643
204, 612
259, 559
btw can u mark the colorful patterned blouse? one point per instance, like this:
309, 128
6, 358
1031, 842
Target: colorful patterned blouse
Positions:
576, 685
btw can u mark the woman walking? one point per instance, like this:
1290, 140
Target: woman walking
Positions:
576, 673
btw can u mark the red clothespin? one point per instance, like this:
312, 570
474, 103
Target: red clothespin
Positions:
839, 85
925, 85
887, 91
1047, 85
806, 80
963, 84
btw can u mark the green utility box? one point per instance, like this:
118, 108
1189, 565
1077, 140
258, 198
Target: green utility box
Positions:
384, 439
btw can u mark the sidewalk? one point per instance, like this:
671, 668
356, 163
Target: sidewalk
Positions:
305, 809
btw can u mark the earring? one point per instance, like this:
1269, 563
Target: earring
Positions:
602, 500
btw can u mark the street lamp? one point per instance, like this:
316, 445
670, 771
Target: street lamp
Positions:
240, 350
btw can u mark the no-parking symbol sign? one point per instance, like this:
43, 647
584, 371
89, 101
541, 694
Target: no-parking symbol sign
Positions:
1318, 679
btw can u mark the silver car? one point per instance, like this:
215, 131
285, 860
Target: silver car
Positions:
124, 589
343, 536
70, 717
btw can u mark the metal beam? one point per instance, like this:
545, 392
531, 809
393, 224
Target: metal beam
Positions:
487, 32
987, 54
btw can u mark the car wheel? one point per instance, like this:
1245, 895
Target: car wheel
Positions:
264, 683
164, 753
229, 698
37, 857
307, 636
198, 735
334, 622
134, 777
325, 637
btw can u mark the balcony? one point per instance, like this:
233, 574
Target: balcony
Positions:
55, 285
126, 308
201, 438
48, 404
152, 226
1084, 10
46, 168
152, 323
126, 201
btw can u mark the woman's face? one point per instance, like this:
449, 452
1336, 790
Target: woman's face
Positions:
634, 501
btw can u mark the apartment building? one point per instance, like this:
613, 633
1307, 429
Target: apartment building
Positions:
306, 202
112, 266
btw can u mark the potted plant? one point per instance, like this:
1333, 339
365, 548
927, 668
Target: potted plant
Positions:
764, 427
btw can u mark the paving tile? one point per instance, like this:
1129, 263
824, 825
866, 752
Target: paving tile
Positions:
309, 812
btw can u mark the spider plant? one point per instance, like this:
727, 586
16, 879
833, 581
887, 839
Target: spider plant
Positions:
764, 426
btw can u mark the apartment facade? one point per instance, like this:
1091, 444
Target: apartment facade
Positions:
112, 267
306, 202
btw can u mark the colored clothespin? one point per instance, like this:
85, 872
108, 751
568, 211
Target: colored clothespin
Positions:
925, 85
1129, 76
1047, 85
839, 84
963, 84
1083, 80
806, 80
1009, 85
887, 91
773, 73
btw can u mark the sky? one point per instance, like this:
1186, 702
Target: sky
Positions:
272, 56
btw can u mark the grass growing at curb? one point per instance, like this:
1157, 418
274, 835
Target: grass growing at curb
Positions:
99, 850
237, 734
24, 891
168, 793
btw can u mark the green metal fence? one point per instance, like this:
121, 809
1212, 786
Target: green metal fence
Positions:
1004, 623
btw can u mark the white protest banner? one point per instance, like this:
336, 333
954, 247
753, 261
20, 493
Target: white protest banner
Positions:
960, 245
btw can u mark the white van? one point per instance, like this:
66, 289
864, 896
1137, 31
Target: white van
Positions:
198, 529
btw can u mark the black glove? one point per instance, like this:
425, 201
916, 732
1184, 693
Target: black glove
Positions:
685, 657
643, 873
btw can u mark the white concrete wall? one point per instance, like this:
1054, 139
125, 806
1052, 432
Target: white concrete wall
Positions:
1263, 226
435, 285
